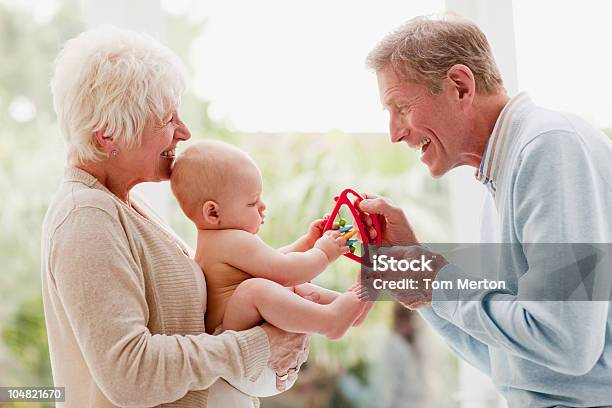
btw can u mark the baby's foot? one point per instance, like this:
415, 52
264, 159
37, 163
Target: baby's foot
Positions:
343, 312
363, 295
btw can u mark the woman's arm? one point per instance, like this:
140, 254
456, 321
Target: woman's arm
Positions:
102, 293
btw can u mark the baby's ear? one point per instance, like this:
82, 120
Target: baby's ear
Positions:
210, 212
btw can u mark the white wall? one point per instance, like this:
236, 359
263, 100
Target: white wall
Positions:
495, 18
145, 16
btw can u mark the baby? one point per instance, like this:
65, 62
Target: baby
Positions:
219, 188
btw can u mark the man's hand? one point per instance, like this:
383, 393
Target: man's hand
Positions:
420, 295
395, 227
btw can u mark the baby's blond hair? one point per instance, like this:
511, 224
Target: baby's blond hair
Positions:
207, 171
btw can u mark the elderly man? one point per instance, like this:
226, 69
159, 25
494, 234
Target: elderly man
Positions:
550, 177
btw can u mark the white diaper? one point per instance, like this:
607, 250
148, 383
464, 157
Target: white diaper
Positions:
221, 394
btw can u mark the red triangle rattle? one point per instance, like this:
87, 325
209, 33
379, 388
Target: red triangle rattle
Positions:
343, 199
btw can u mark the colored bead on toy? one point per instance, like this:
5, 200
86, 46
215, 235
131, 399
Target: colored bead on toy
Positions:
350, 233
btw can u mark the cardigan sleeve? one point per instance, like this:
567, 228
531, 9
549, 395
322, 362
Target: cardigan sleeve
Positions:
102, 291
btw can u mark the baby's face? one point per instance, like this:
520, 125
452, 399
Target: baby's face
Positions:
245, 209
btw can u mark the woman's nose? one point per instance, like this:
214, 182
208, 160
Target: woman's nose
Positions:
182, 131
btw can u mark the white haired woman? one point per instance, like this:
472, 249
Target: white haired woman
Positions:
123, 299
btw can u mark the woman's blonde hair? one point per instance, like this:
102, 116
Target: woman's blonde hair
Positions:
425, 48
112, 80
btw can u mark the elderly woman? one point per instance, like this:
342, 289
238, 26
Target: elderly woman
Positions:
122, 296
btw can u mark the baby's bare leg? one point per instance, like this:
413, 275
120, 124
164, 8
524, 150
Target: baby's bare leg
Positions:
324, 296
256, 299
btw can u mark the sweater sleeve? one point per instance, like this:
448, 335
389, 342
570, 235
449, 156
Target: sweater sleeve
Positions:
102, 292
467, 347
557, 197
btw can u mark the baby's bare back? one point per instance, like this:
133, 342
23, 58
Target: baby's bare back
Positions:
221, 279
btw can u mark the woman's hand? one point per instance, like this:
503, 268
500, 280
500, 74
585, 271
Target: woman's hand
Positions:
394, 225
288, 351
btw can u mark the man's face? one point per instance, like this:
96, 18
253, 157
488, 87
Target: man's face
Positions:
432, 124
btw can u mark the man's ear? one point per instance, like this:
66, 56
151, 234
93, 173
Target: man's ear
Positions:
210, 212
106, 142
462, 82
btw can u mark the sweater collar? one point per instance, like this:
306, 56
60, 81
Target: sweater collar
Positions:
74, 174
81, 176
492, 164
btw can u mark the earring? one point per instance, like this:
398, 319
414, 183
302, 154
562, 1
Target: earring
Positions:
114, 152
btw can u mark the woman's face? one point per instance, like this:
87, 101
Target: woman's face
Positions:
153, 159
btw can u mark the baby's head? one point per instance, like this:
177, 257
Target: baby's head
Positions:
218, 187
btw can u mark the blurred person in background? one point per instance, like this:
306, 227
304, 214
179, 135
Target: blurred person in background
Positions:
395, 377
123, 298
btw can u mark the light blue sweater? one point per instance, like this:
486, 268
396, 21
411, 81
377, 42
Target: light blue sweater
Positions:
554, 186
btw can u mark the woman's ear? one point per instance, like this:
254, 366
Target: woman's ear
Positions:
210, 212
463, 82
106, 142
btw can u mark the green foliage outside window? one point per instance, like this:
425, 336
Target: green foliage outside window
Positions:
301, 173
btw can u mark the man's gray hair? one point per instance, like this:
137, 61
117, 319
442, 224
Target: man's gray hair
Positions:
425, 48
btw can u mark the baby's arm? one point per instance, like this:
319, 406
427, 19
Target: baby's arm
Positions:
250, 254
307, 241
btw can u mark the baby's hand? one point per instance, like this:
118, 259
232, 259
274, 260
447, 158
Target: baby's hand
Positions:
333, 244
315, 231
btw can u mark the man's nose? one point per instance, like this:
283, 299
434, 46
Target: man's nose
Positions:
395, 130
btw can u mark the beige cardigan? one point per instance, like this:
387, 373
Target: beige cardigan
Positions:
123, 308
